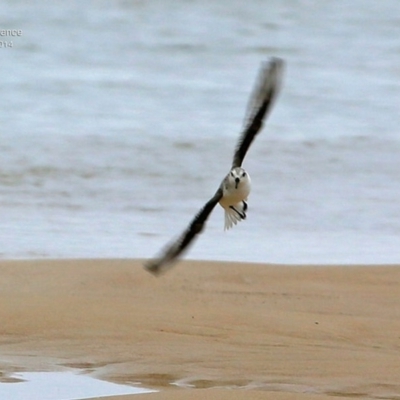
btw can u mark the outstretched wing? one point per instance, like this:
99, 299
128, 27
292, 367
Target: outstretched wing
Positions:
261, 101
175, 249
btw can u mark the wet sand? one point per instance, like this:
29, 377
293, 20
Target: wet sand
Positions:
220, 330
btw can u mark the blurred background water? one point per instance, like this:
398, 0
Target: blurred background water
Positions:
119, 120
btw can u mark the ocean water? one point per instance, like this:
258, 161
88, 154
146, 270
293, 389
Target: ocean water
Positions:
119, 120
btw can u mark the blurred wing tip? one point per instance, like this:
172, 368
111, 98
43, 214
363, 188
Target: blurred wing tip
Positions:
154, 267
158, 266
274, 69
276, 62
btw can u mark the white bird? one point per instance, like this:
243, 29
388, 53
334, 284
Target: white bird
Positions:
234, 190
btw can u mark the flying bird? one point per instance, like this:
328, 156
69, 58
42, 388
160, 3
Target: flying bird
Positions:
234, 189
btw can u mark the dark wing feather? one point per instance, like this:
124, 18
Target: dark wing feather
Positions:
261, 101
176, 248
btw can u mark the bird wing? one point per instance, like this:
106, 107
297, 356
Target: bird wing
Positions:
173, 250
261, 101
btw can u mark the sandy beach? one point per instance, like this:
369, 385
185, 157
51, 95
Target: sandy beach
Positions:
207, 329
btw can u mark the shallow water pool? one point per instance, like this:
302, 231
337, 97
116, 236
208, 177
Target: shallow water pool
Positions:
61, 386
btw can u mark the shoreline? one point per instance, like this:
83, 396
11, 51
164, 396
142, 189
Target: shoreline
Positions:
228, 328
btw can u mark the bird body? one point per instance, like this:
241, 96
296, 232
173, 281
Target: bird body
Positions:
234, 189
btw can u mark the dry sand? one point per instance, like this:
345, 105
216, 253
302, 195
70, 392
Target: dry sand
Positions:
228, 330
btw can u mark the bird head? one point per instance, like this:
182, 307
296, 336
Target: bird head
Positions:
237, 176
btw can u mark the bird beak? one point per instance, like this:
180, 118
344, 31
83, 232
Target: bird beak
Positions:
237, 181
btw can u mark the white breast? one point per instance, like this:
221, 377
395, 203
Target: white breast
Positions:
233, 195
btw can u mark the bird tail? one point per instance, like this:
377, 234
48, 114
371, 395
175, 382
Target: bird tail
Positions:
234, 214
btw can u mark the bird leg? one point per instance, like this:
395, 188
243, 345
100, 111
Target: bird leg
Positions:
243, 214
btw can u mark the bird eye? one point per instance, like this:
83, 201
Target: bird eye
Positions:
232, 174
244, 174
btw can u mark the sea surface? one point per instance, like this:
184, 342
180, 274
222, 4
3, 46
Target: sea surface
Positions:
119, 120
